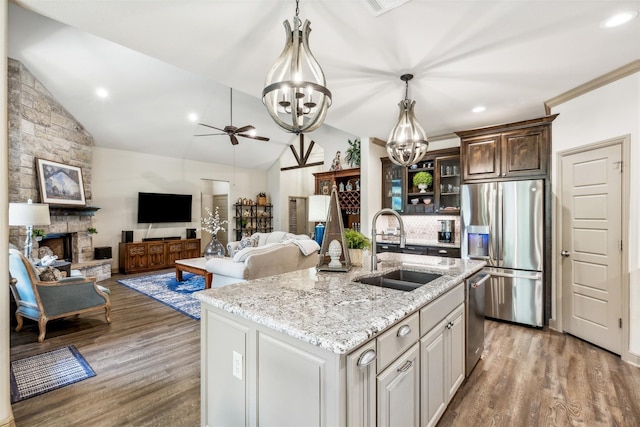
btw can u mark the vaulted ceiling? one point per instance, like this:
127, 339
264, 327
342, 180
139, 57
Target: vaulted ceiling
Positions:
163, 60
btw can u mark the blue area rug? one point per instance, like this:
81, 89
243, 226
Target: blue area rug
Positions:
48, 371
166, 289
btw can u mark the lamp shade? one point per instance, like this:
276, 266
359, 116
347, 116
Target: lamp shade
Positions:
29, 214
318, 207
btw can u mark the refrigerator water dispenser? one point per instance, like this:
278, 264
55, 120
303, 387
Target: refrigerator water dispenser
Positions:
478, 241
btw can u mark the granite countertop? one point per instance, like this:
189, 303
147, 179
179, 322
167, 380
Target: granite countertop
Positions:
329, 309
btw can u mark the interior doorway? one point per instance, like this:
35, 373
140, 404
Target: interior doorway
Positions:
591, 245
298, 215
215, 194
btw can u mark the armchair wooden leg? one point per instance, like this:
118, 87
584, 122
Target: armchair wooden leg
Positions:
107, 313
19, 320
42, 325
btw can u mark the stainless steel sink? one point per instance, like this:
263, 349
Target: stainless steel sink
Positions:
402, 280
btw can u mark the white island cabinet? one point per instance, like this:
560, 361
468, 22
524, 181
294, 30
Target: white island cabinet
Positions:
319, 349
253, 376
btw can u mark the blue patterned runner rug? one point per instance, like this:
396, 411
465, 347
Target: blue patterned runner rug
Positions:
166, 289
48, 371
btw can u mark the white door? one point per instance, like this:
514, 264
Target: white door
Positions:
591, 246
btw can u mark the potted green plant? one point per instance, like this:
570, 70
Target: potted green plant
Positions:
352, 155
356, 243
422, 180
38, 234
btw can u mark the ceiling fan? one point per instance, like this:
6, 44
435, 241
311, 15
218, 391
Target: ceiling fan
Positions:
231, 130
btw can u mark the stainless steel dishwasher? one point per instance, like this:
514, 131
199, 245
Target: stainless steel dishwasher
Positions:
474, 326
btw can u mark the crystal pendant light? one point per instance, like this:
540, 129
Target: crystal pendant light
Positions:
407, 143
295, 94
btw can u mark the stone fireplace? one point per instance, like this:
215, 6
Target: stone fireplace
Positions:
39, 127
61, 244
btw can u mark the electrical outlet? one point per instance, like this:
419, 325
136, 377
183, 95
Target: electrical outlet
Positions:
237, 365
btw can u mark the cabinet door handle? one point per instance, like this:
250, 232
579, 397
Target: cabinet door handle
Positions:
367, 357
403, 331
449, 325
407, 365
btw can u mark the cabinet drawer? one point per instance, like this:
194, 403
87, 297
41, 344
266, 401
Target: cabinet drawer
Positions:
387, 247
438, 309
395, 341
192, 245
415, 249
444, 252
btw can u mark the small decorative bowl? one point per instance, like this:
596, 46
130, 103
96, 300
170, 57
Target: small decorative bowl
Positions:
415, 201
426, 201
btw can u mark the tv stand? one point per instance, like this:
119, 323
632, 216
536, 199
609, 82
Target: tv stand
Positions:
157, 239
156, 254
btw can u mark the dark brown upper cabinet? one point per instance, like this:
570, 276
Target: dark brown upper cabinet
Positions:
516, 150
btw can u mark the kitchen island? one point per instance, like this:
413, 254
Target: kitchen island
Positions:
319, 348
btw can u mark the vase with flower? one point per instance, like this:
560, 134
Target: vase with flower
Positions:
212, 225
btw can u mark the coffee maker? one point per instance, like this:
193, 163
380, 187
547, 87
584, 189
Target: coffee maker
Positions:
447, 231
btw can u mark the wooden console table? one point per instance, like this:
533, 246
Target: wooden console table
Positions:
138, 257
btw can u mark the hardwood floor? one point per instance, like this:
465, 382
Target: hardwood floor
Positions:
147, 365
530, 377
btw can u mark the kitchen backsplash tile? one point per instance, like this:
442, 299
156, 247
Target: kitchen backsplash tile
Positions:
421, 227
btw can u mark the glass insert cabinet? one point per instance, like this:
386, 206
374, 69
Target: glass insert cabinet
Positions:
441, 197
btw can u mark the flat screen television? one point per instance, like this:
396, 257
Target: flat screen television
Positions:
161, 207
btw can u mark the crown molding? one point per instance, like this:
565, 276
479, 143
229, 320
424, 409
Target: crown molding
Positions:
610, 77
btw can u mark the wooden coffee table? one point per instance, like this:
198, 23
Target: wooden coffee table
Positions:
195, 266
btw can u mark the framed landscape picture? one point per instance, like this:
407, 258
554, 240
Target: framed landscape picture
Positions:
60, 184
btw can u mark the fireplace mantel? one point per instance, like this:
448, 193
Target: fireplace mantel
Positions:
73, 210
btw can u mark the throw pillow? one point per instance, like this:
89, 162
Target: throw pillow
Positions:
49, 274
246, 242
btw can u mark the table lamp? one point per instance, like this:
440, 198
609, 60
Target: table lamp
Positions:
318, 208
29, 214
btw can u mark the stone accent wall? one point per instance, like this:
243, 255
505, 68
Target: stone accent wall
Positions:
39, 127
100, 269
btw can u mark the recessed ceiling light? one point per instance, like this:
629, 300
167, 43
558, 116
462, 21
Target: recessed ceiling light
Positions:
619, 19
102, 93
478, 109
193, 117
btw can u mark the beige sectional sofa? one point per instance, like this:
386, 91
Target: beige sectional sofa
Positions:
274, 253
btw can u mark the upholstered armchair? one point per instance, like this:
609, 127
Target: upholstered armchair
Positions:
43, 301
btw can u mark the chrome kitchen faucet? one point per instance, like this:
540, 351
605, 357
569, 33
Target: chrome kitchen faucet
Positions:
374, 234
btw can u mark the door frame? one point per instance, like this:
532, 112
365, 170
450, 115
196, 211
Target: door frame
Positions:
624, 141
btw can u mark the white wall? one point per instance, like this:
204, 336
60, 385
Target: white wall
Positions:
119, 175
301, 182
370, 182
6, 415
607, 112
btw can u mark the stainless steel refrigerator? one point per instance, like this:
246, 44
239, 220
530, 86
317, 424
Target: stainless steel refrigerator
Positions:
503, 224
